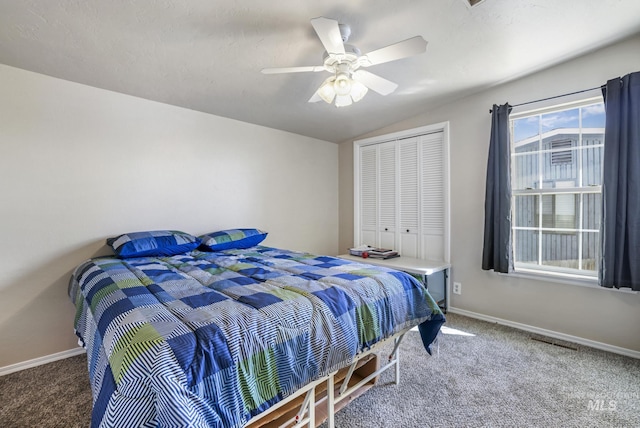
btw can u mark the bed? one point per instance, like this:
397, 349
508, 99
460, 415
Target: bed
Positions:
216, 336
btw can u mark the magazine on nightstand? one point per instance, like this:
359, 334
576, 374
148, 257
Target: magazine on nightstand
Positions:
366, 251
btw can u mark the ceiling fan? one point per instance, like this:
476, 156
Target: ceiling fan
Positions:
349, 83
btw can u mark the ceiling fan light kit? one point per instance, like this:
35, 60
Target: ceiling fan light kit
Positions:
358, 91
349, 84
326, 91
342, 84
344, 90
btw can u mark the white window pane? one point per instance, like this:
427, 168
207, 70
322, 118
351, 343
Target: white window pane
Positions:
565, 211
592, 165
560, 120
526, 173
526, 248
525, 211
593, 116
560, 250
590, 251
591, 209
523, 131
592, 138
559, 211
547, 211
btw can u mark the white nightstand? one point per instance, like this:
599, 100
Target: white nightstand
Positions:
435, 274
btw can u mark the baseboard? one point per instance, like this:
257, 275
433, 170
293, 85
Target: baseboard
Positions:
40, 360
549, 333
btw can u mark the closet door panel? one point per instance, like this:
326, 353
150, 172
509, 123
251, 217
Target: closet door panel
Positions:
387, 168
409, 245
432, 185
368, 196
409, 204
432, 247
387, 241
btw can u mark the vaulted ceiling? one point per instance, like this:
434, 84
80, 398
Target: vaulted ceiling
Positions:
206, 55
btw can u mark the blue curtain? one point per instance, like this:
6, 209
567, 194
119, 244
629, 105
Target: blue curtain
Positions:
497, 249
620, 226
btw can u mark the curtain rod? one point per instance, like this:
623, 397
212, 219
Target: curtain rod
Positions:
551, 98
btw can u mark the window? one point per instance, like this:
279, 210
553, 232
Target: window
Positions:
556, 161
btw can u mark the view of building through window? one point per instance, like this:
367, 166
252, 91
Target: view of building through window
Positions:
556, 161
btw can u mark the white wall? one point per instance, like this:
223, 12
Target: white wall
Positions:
605, 316
80, 164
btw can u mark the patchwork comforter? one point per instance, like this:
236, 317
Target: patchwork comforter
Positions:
212, 339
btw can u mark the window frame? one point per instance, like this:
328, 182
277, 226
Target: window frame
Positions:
538, 267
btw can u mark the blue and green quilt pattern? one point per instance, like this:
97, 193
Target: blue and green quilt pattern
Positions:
211, 339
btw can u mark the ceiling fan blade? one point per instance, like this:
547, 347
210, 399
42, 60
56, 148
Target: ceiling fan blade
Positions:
277, 70
329, 34
315, 98
413, 46
374, 82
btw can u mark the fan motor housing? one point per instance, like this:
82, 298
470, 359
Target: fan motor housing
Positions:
351, 55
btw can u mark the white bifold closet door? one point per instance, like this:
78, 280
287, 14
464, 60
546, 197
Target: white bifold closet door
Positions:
402, 195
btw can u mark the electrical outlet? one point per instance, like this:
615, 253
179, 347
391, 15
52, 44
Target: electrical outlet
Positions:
457, 288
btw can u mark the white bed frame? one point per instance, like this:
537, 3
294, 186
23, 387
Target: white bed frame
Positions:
337, 390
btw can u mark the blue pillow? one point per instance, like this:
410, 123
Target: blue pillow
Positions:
153, 243
232, 239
